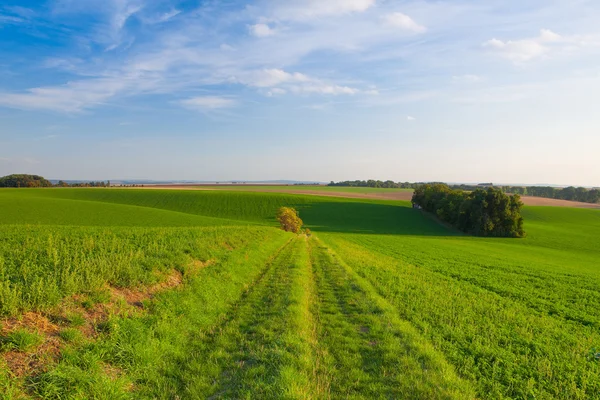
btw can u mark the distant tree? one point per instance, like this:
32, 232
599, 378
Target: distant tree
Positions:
24, 180
289, 219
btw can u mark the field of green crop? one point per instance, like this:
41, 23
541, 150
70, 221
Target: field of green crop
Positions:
312, 188
379, 302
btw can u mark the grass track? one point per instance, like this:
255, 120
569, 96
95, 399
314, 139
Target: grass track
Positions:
262, 350
370, 352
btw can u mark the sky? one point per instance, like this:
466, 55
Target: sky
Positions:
501, 91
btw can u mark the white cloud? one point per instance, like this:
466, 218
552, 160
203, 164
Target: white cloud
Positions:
21, 11
72, 97
547, 35
271, 77
261, 30
15, 15
323, 88
168, 15
110, 18
403, 22
208, 103
8, 19
293, 82
525, 49
305, 9
160, 17
409, 118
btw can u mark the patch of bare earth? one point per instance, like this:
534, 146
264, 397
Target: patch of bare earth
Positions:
542, 201
121, 301
24, 363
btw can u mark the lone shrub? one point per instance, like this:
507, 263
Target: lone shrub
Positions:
289, 219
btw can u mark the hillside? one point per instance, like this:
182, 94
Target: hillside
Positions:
203, 297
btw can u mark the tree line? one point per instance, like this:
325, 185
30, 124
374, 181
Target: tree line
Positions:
83, 184
375, 184
33, 181
571, 193
482, 212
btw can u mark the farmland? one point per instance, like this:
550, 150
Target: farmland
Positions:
124, 293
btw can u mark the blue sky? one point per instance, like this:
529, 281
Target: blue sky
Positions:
460, 91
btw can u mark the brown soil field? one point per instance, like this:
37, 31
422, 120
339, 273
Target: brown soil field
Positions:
406, 196
542, 201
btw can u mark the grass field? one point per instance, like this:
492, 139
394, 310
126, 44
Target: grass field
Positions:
109, 293
291, 188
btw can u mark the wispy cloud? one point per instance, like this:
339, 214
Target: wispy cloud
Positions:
24, 12
9, 19
204, 103
305, 9
72, 97
15, 15
300, 48
524, 49
404, 22
162, 17
541, 46
261, 30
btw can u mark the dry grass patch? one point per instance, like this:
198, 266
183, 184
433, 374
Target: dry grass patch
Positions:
34, 340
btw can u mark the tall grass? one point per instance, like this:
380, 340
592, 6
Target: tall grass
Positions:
41, 265
157, 355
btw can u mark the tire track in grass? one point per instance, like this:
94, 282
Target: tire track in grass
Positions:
371, 353
264, 348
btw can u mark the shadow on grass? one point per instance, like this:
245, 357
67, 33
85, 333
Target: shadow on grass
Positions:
369, 218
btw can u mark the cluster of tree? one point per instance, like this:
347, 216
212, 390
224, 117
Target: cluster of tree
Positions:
375, 184
23, 181
482, 212
289, 219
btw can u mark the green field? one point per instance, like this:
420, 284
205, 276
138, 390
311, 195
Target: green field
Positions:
312, 188
380, 301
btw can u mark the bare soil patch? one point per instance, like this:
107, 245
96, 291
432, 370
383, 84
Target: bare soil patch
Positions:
122, 301
542, 201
